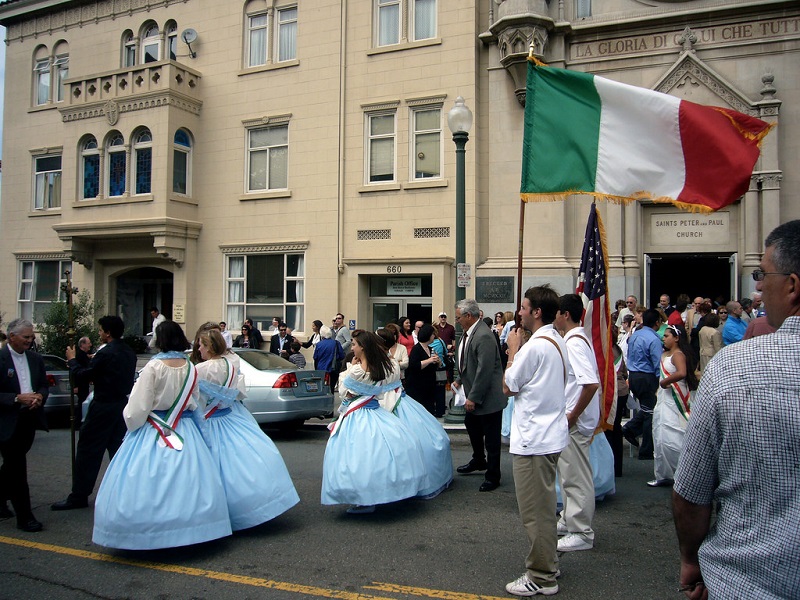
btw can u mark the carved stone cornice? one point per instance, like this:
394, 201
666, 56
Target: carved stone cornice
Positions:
43, 255
33, 19
269, 248
122, 106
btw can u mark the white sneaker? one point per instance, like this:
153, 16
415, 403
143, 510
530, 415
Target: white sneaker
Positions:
360, 509
573, 542
523, 586
562, 528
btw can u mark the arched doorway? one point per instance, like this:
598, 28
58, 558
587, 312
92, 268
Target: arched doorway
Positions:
137, 291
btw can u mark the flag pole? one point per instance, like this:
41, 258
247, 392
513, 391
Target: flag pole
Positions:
519, 260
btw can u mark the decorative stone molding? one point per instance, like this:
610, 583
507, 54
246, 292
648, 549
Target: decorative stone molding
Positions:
117, 108
88, 13
267, 120
427, 100
170, 236
376, 106
264, 248
689, 69
44, 255
766, 180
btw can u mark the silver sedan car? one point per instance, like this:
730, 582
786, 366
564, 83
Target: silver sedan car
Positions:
279, 393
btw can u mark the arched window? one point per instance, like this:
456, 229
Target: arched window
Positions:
90, 167
151, 44
115, 152
181, 163
128, 49
41, 76
172, 40
143, 161
60, 70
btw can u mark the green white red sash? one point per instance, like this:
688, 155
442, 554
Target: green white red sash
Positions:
352, 407
166, 427
230, 378
681, 400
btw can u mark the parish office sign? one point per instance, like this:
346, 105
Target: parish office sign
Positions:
771, 30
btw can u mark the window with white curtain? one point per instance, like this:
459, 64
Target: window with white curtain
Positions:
380, 145
47, 182
583, 8
128, 49
172, 40
426, 145
257, 38
392, 28
268, 158
270, 34
39, 286
263, 286
287, 33
41, 72
61, 68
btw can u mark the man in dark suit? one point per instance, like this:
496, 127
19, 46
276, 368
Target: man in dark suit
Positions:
481, 374
23, 392
255, 334
112, 370
281, 341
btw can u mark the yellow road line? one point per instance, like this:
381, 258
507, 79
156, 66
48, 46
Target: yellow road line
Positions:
427, 593
228, 577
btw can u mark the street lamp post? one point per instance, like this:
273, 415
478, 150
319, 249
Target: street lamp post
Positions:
459, 120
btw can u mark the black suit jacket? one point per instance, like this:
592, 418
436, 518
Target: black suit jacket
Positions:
9, 388
275, 346
112, 370
482, 376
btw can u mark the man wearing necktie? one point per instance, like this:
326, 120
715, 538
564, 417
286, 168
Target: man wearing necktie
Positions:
481, 374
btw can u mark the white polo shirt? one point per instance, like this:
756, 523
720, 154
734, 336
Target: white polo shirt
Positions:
537, 378
583, 371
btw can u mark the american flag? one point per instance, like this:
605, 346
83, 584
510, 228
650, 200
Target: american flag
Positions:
593, 290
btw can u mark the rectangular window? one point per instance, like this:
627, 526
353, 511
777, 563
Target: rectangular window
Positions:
426, 131
144, 168
287, 34
39, 286
116, 173
62, 72
130, 53
380, 147
583, 8
47, 182
388, 22
42, 78
257, 37
151, 51
268, 158
180, 166
263, 286
424, 19
91, 175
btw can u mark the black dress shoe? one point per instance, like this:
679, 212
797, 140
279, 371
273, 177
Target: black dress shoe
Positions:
31, 525
470, 467
488, 486
70, 503
5, 512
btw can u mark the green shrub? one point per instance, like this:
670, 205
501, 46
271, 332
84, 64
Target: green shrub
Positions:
55, 325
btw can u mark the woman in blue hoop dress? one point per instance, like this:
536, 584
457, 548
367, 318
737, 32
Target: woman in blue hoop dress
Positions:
257, 484
433, 439
158, 491
371, 457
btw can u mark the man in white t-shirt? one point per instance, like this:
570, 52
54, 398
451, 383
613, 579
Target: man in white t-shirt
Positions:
583, 414
630, 309
536, 376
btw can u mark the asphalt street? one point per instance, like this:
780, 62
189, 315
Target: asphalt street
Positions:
462, 545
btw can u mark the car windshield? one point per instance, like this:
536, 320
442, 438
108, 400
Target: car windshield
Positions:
263, 361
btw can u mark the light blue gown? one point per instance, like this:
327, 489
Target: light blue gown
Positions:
433, 441
372, 457
257, 484
154, 496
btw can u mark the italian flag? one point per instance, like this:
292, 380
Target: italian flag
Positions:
590, 135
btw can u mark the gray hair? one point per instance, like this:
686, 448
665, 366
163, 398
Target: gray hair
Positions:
469, 307
325, 332
18, 325
785, 240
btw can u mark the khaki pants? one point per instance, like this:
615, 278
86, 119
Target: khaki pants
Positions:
577, 485
535, 483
